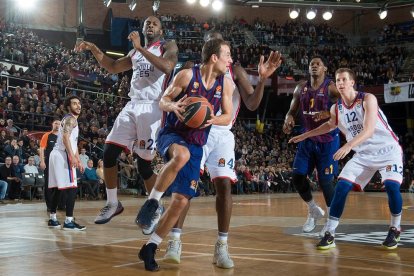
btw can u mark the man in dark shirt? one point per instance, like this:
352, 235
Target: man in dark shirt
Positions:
7, 173
46, 146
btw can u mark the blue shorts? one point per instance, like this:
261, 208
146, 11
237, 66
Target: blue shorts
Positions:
187, 178
311, 154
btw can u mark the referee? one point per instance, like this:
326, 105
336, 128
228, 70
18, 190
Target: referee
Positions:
46, 146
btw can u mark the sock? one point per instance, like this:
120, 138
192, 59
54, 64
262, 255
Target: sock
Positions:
328, 210
396, 221
112, 196
155, 239
53, 216
155, 194
331, 224
68, 219
175, 233
222, 237
311, 204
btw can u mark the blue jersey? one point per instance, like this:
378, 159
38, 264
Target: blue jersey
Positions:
196, 88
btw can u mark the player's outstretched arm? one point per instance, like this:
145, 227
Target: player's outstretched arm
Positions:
253, 96
180, 83
111, 65
226, 106
293, 110
322, 129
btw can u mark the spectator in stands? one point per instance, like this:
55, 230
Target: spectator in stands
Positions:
11, 129
14, 179
13, 148
30, 166
7, 173
92, 179
84, 158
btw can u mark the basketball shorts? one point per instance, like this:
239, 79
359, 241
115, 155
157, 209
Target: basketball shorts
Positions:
218, 154
61, 174
186, 182
136, 128
311, 154
362, 167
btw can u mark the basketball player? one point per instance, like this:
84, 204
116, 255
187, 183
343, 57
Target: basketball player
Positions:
47, 143
141, 118
218, 156
63, 162
183, 147
376, 148
313, 99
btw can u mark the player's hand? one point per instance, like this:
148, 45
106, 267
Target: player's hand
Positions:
266, 69
288, 124
342, 152
179, 107
42, 165
211, 121
83, 45
298, 138
321, 115
135, 39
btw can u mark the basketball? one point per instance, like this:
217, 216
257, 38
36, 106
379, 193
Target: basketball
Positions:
197, 112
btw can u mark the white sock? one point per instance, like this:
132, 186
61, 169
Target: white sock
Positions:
155, 194
68, 219
328, 209
331, 224
222, 237
53, 216
175, 233
155, 239
311, 204
112, 196
396, 221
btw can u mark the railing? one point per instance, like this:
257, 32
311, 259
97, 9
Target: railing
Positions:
42, 122
13, 82
93, 95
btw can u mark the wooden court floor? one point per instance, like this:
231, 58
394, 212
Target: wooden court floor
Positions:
265, 239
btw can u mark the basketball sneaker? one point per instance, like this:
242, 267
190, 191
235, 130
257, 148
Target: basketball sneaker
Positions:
147, 214
221, 256
323, 231
108, 212
313, 215
147, 254
73, 226
154, 223
54, 224
392, 239
173, 252
328, 241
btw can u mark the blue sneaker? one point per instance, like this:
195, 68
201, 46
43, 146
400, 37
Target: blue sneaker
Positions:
147, 254
73, 226
53, 224
147, 214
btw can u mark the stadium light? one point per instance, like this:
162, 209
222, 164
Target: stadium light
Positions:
25, 4
217, 5
204, 3
382, 13
294, 13
132, 5
255, 6
311, 14
327, 15
107, 2
191, 1
412, 12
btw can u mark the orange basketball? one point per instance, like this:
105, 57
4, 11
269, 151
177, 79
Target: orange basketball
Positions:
197, 112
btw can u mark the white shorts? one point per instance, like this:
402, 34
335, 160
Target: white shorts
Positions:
61, 174
362, 167
136, 128
218, 154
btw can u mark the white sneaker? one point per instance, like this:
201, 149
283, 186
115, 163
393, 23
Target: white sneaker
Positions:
173, 252
313, 215
108, 212
221, 256
154, 223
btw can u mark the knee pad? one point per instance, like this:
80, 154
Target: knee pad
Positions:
110, 155
145, 168
343, 187
394, 196
300, 182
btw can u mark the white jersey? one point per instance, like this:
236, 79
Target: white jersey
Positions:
73, 137
147, 81
236, 103
350, 121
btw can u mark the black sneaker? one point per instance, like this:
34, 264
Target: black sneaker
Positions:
392, 239
147, 254
147, 213
327, 242
53, 223
73, 226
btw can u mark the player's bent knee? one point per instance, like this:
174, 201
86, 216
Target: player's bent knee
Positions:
179, 201
343, 187
181, 157
145, 168
392, 186
110, 155
300, 183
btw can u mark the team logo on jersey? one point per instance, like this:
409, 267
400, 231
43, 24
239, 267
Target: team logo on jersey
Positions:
358, 102
304, 90
193, 185
327, 171
388, 168
142, 144
218, 92
196, 85
222, 162
340, 107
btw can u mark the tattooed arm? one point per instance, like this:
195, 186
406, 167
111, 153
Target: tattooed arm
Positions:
68, 124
